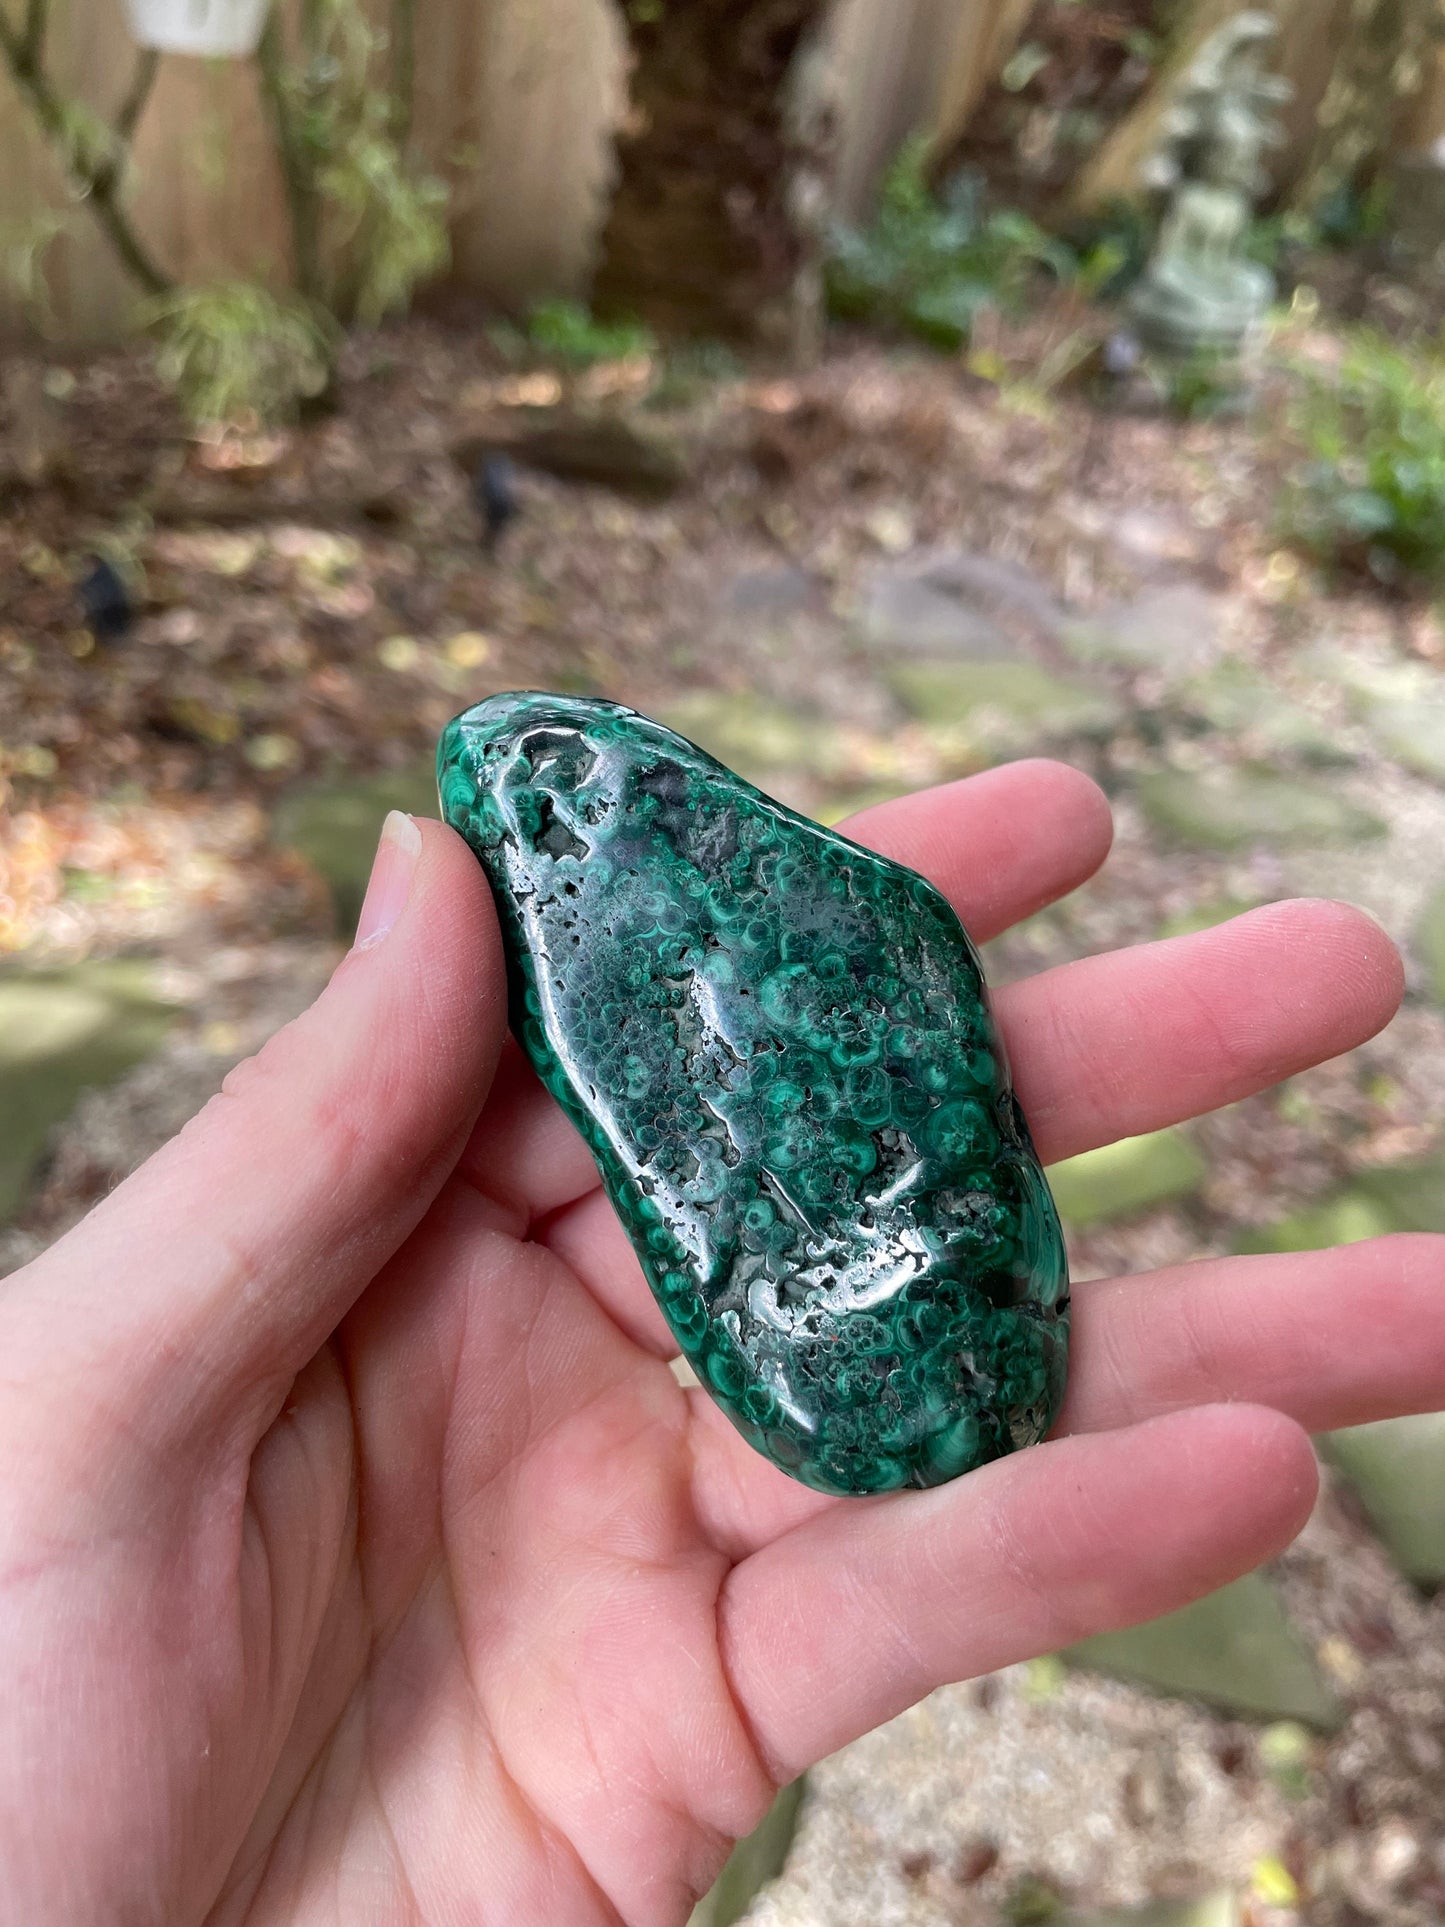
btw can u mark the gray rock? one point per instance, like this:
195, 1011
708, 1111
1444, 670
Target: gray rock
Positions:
1120, 1180
64, 1032
1430, 943
1260, 719
953, 603
1230, 808
335, 827
1235, 1649
752, 1863
1343, 1218
1003, 705
754, 736
908, 615
1223, 1909
1398, 1468
1205, 915
1173, 629
770, 593
1413, 732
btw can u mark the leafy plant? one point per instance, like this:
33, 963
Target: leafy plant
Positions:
929, 265
355, 194
24, 248
1113, 245
1370, 492
232, 350
1200, 386
394, 218
565, 331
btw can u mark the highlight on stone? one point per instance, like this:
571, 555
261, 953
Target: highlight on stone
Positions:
778, 1046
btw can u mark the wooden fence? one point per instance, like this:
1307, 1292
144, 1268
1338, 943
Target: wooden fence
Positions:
516, 105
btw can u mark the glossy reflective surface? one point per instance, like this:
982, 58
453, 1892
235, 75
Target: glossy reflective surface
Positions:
779, 1049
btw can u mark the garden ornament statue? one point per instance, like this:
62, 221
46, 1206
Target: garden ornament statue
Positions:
1199, 295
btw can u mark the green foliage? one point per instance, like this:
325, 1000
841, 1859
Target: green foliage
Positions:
1354, 214
386, 217
929, 265
395, 218
1200, 386
566, 332
1371, 491
24, 247
1348, 217
88, 145
232, 350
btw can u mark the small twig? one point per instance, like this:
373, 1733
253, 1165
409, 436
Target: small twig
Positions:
32, 44
403, 68
133, 106
98, 184
302, 200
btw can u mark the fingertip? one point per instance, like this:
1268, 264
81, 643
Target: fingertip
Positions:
1331, 925
453, 908
1248, 1475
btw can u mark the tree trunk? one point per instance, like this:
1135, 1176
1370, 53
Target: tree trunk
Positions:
1381, 67
707, 233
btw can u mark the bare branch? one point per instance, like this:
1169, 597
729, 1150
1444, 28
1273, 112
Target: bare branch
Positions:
403, 68
301, 197
32, 45
133, 106
98, 180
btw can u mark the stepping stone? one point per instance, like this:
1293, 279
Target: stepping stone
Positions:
1233, 808
1120, 1180
756, 737
1204, 916
909, 615
64, 1032
1398, 1468
1391, 1197
1412, 1195
1247, 709
1002, 704
1222, 1909
1397, 1465
848, 803
1343, 1219
955, 604
1430, 942
1234, 1649
335, 827
752, 1863
1401, 703
1173, 629
1413, 732
769, 596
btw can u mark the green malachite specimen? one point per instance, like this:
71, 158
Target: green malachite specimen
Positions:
779, 1049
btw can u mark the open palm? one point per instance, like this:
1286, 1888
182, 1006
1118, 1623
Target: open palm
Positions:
363, 1559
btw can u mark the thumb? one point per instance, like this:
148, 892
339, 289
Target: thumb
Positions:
190, 1298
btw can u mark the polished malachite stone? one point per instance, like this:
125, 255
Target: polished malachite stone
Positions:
778, 1047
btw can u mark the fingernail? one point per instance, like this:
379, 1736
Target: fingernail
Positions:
391, 875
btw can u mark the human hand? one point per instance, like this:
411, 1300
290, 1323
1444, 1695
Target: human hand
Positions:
361, 1557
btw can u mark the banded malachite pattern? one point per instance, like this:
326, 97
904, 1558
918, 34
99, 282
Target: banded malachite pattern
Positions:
778, 1046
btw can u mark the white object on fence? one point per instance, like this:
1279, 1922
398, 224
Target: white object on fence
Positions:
219, 29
